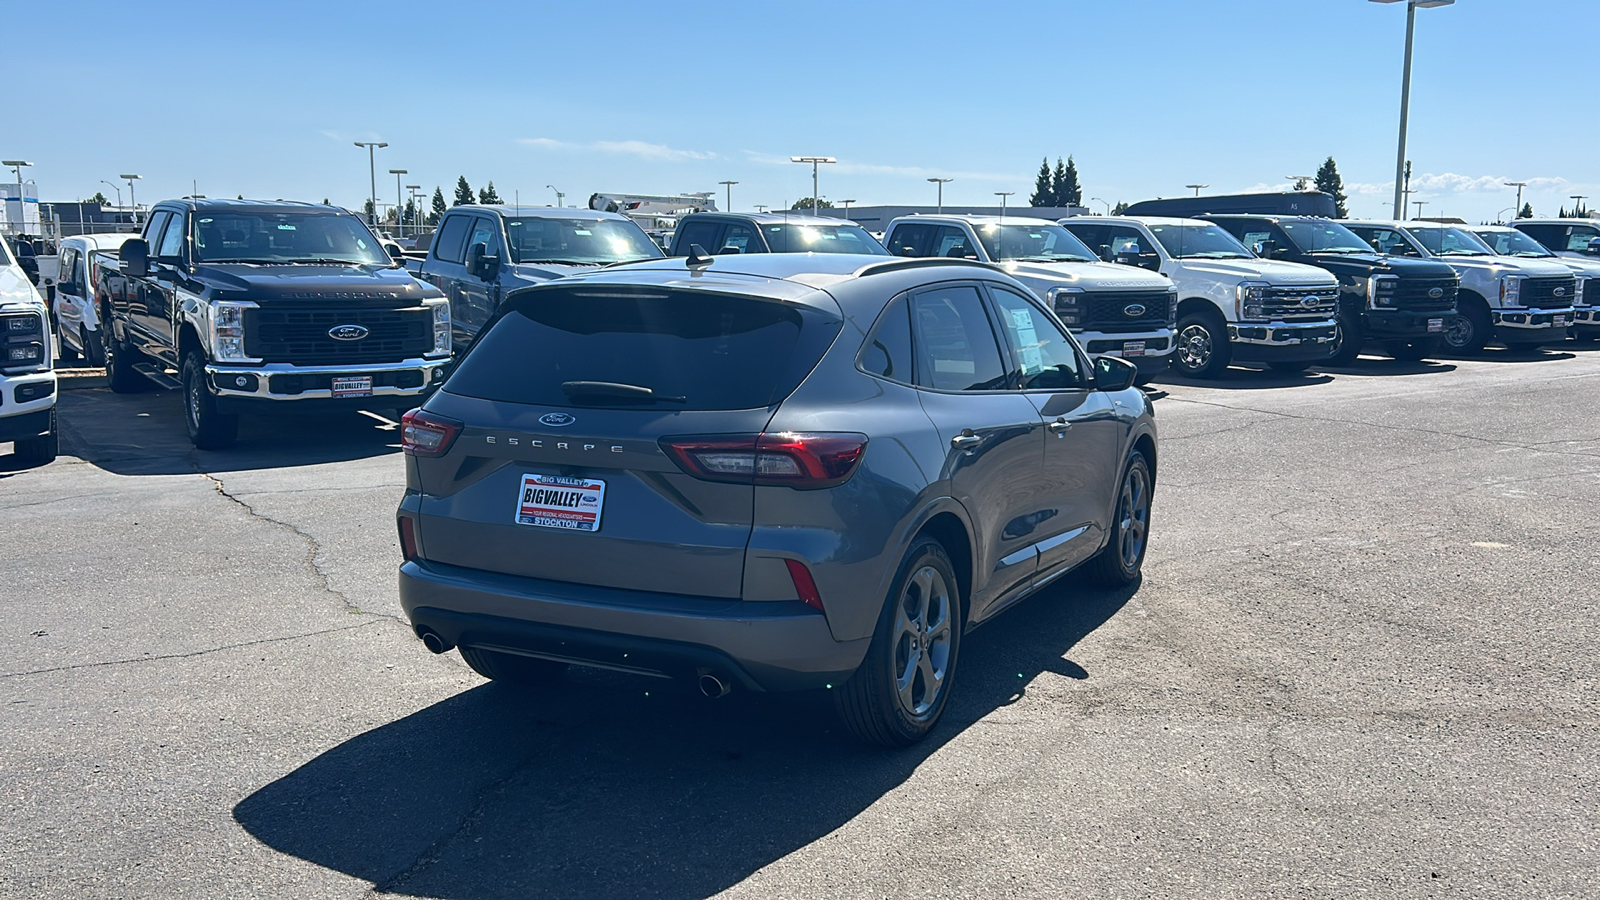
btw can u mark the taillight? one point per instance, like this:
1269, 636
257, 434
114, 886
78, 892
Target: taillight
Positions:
804, 585
408, 538
805, 461
424, 434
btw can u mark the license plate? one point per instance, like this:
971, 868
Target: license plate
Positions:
1435, 324
1133, 348
553, 501
1561, 320
353, 386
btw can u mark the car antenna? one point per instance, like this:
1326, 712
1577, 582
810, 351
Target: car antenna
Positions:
698, 257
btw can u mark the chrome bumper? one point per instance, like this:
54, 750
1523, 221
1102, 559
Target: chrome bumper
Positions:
1282, 334
257, 381
1534, 319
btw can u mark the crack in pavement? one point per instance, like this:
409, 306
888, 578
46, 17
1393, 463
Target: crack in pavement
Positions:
189, 655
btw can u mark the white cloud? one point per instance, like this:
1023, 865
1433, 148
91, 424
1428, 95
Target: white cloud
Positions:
641, 149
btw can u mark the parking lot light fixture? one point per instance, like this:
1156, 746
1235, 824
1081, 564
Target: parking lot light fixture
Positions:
846, 205
132, 200
1003, 195
1301, 182
815, 161
400, 225
416, 211
560, 197
729, 185
1405, 95
115, 187
941, 182
1108, 205
1419, 204
372, 171
1196, 188
1519, 185
1577, 207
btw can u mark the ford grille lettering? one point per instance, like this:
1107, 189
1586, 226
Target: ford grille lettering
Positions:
556, 420
1435, 293
348, 332
1133, 310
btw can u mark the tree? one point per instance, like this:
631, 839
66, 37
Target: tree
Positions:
1065, 184
1120, 208
410, 214
438, 207
463, 192
325, 202
100, 199
1527, 211
487, 195
366, 210
1329, 182
805, 203
1044, 193
240, 197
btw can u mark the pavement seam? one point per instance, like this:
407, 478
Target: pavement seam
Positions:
189, 655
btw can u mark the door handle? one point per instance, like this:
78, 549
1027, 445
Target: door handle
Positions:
1059, 426
966, 440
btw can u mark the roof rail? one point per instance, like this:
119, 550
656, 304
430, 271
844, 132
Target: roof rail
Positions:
920, 262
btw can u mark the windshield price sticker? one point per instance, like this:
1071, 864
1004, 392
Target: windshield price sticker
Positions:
352, 386
553, 501
1133, 348
1435, 324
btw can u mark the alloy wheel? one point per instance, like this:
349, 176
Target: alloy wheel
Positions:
923, 623
1135, 524
1458, 332
1194, 347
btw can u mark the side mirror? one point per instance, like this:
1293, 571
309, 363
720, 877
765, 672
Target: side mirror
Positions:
480, 263
134, 257
1594, 248
1126, 258
395, 252
1114, 374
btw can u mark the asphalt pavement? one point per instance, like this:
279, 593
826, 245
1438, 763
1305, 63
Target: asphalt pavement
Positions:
1361, 664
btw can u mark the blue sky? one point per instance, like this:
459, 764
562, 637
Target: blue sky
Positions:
266, 99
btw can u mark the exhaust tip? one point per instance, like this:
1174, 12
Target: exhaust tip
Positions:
434, 642
714, 687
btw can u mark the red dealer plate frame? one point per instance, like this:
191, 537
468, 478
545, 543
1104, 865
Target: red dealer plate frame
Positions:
556, 501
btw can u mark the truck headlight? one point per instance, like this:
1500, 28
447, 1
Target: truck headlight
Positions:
1511, 289
24, 342
1251, 298
441, 326
227, 330
1172, 307
1382, 290
1068, 304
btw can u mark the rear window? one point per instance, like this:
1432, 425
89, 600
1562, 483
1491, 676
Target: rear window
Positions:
691, 350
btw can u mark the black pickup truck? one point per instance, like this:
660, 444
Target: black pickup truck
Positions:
249, 306
1401, 305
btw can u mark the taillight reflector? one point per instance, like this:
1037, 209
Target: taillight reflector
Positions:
804, 585
424, 434
408, 538
805, 461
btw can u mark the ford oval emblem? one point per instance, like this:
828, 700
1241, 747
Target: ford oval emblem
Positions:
1133, 310
1560, 292
348, 332
1435, 293
557, 420
1309, 302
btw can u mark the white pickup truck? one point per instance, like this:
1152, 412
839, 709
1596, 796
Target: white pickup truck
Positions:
1520, 302
1585, 314
1569, 238
27, 381
1232, 305
1110, 310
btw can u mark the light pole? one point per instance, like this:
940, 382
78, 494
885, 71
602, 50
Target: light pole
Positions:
372, 147
761, 207
846, 204
1519, 185
399, 224
1500, 216
132, 200
1098, 200
1197, 187
729, 185
1003, 195
416, 209
1405, 94
1419, 204
1578, 208
115, 187
560, 197
815, 161
941, 182
1300, 181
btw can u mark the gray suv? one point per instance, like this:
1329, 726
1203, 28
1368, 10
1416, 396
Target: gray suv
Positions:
770, 472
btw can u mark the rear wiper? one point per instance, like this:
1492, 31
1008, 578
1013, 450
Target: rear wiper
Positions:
576, 389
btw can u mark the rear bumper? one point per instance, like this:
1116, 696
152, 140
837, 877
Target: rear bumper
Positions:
1281, 342
1390, 323
771, 646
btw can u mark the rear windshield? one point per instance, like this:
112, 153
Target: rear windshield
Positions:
650, 350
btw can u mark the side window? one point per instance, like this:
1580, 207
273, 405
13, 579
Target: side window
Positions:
1387, 241
449, 244
909, 240
1122, 239
172, 239
887, 351
1095, 236
486, 231
1551, 236
1042, 355
67, 257
741, 238
952, 242
154, 227
80, 273
1251, 234
1580, 237
702, 233
955, 345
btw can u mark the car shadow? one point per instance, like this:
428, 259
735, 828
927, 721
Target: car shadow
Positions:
143, 434
1235, 378
1369, 366
616, 785
1515, 355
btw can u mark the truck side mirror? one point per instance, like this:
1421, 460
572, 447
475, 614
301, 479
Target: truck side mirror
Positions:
1269, 250
396, 253
134, 257
480, 263
1126, 257
1594, 248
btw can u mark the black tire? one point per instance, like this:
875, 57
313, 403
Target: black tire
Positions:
208, 429
40, 451
1201, 348
1289, 367
119, 360
1120, 562
1347, 340
914, 639
1413, 351
94, 352
1469, 329
509, 668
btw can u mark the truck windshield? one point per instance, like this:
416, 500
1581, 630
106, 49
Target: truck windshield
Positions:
580, 242
1324, 237
1449, 241
285, 237
1032, 243
1200, 240
821, 239
1513, 243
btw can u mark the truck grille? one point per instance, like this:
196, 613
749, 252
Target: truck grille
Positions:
1290, 303
300, 336
1541, 292
1414, 293
1107, 311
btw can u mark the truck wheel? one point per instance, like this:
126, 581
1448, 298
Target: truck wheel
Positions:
94, 352
208, 429
40, 451
119, 360
512, 669
1119, 562
903, 685
1412, 351
1347, 339
1201, 348
1469, 329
